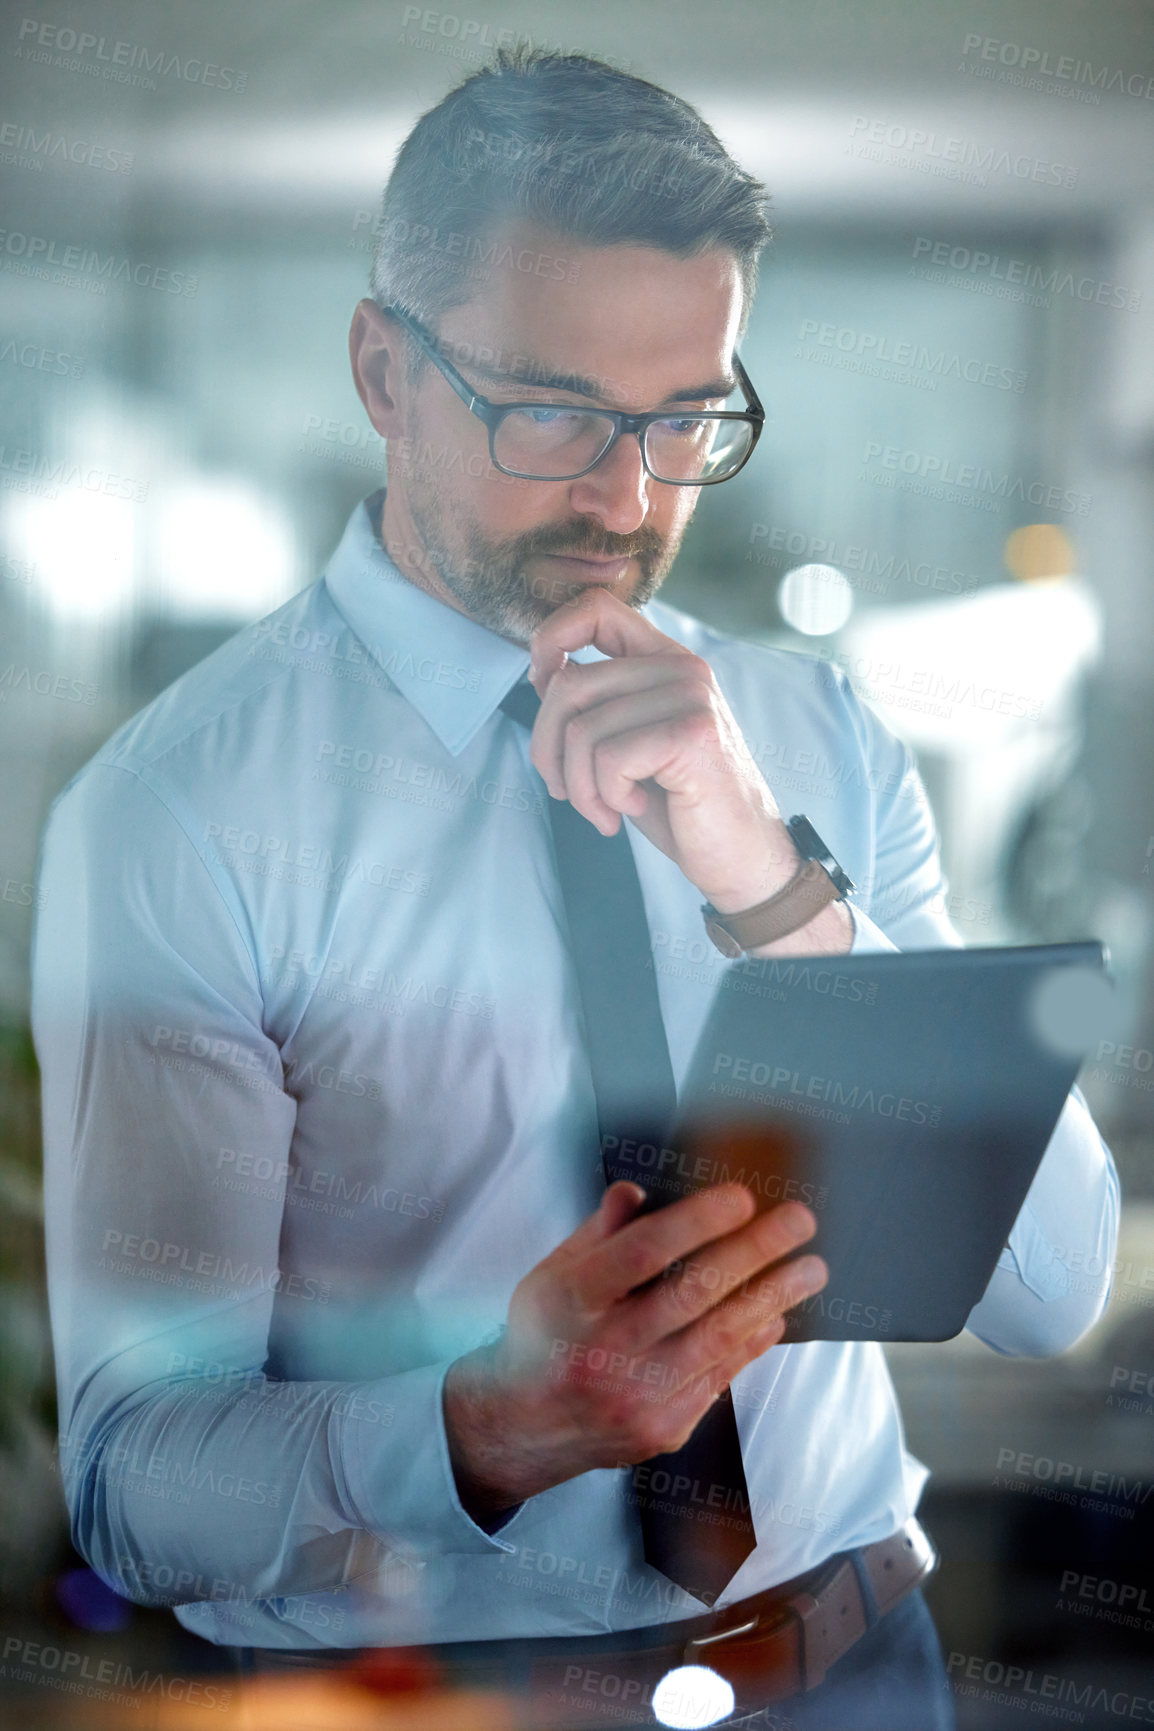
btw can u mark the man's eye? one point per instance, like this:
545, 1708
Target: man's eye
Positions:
548, 417
685, 426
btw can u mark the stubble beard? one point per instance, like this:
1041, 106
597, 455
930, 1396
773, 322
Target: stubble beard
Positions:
490, 580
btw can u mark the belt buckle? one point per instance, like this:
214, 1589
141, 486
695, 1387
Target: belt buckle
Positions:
741, 1661
693, 1648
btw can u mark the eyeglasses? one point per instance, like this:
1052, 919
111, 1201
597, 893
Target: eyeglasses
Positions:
563, 441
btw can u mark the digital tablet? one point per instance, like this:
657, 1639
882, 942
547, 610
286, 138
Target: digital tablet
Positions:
907, 1098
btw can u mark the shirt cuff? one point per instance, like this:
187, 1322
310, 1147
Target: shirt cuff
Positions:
398, 1472
868, 939
1030, 1255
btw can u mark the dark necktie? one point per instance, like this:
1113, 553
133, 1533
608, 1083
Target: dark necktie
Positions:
693, 1502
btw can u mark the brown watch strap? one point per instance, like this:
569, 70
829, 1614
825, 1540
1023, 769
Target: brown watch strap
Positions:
807, 892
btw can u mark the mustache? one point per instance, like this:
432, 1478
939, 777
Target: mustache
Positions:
584, 538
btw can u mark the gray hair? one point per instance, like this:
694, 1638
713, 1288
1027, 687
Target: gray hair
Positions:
573, 145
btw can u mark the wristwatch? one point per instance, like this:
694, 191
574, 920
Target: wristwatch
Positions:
819, 882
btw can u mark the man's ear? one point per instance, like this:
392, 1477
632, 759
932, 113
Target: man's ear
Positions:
376, 351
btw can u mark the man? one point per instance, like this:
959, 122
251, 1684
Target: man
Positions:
335, 1273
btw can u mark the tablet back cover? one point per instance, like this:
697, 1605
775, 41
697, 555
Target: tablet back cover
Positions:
907, 1098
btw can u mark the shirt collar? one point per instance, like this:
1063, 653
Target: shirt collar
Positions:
453, 671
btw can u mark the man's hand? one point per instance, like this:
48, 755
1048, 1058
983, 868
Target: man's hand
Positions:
621, 1338
648, 735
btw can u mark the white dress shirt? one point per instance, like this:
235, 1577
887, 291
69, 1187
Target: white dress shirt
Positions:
315, 1099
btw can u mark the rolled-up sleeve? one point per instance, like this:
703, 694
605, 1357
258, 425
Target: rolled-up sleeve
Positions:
183, 1462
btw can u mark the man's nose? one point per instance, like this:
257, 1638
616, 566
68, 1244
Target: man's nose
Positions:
616, 492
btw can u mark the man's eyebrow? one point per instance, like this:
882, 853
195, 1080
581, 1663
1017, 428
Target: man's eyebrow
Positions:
537, 378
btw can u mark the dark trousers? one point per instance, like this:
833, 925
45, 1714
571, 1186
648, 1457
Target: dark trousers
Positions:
893, 1679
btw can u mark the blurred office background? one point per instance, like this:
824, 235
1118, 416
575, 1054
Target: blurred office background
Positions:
953, 499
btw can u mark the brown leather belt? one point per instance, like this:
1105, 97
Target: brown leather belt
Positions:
766, 1647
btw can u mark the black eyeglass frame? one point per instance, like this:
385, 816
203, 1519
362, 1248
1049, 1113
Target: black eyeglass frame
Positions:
492, 414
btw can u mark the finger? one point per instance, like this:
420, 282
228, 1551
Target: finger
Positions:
609, 751
599, 618
689, 1387
753, 1347
734, 1328
642, 1249
672, 750
580, 686
725, 1276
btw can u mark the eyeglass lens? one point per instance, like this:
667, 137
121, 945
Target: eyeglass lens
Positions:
557, 443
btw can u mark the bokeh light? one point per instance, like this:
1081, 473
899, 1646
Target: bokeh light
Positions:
815, 599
